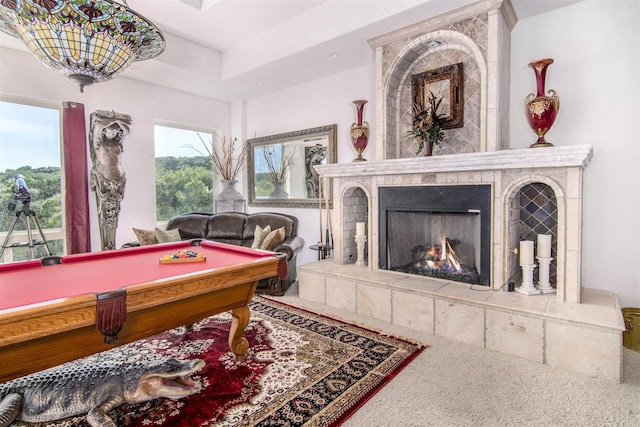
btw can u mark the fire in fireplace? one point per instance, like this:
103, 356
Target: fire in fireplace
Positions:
437, 231
441, 261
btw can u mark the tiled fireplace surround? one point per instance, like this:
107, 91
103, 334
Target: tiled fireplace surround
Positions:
575, 329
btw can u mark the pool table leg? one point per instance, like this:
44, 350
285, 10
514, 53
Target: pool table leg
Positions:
237, 343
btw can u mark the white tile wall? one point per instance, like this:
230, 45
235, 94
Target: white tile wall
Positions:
515, 334
413, 311
459, 322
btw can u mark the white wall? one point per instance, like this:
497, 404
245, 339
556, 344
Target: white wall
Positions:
21, 75
597, 65
322, 102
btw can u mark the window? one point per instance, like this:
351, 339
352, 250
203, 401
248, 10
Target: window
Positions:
30, 146
184, 173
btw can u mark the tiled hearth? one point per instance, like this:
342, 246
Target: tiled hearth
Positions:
584, 338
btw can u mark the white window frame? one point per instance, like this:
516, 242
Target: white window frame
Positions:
50, 234
213, 132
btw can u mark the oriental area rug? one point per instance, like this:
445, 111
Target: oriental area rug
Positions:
302, 369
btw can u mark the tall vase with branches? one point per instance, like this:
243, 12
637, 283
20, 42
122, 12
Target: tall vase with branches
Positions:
426, 127
228, 158
278, 163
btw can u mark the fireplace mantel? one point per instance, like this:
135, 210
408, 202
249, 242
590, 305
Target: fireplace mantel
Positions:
551, 157
507, 171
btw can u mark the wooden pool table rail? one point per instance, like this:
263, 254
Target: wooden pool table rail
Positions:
41, 336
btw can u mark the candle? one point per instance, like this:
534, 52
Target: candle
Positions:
526, 252
544, 246
359, 228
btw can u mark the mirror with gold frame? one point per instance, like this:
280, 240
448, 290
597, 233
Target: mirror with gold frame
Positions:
296, 185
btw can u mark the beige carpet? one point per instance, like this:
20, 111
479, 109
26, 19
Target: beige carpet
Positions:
454, 384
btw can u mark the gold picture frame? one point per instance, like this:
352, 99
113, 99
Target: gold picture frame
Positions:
445, 82
306, 148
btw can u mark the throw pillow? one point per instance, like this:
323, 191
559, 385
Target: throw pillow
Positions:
166, 236
145, 237
273, 239
259, 236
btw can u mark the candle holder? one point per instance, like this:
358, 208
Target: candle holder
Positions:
527, 287
360, 241
543, 276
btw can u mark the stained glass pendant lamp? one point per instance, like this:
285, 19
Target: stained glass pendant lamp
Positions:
88, 41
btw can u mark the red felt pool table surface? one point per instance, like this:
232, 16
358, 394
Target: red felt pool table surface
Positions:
48, 313
30, 283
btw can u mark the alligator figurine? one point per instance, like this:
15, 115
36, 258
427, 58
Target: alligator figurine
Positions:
72, 389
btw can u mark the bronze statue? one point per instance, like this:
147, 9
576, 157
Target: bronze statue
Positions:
108, 130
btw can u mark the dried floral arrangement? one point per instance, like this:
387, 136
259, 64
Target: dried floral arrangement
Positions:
427, 124
278, 162
228, 158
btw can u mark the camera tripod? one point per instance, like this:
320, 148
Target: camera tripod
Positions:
28, 215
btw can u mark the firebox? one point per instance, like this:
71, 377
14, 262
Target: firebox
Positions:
437, 231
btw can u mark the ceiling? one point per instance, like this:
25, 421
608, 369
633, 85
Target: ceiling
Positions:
239, 49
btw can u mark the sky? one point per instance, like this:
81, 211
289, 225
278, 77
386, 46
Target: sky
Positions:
29, 136
169, 141
165, 145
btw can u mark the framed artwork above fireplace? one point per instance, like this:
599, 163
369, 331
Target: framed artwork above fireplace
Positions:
445, 82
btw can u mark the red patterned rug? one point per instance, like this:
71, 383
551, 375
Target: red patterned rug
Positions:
302, 369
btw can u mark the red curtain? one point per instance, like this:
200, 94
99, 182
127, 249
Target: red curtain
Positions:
74, 137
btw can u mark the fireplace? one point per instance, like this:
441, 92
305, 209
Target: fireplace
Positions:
436, 231
366, 191
531, 191
432, 193
477, 155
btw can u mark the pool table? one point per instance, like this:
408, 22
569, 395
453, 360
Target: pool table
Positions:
49, 313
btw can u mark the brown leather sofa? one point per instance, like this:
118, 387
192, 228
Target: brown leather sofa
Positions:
238, 229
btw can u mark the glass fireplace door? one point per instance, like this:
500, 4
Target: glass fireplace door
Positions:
445, 245
441, 231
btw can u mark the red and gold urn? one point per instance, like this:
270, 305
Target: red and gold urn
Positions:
541, 109
360, 131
